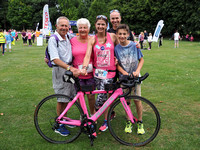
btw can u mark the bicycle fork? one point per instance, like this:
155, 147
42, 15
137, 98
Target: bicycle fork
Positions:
128, 111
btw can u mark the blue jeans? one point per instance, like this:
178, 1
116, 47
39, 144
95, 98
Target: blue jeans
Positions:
3, 46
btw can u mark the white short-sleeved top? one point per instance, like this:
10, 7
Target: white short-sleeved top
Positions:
62, 52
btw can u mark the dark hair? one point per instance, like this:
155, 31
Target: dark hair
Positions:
1, 30
102, 17
123, 26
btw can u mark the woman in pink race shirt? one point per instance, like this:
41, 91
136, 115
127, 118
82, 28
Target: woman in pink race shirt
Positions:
29, 37
79, 47
102, 46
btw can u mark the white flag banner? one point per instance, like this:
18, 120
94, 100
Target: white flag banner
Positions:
158, 30
37, 26
46, 20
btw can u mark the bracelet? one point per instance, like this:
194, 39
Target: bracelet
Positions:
84, 67
68, 67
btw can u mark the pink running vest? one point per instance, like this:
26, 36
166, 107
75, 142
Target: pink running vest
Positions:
78, 52
104, 63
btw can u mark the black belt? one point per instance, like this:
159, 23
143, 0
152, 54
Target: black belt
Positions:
58, 66
106, 69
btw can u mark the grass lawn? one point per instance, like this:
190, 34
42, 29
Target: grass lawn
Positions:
173, 86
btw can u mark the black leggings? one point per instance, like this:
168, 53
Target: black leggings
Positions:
149, 45
141, 44
29, 41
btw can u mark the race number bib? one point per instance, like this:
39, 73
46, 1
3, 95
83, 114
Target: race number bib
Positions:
101, 74
89, 70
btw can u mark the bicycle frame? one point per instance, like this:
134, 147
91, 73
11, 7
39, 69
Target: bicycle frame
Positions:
80, 96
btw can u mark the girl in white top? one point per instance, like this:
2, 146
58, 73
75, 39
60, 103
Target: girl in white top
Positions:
149, 40
176, 39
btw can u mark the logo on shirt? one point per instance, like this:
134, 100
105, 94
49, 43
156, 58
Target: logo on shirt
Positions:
102, 47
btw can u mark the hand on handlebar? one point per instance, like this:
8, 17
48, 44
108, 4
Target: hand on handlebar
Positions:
83, 72
136, 74
76, 72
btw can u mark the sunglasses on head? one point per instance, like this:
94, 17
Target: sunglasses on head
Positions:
101, 16
114, 10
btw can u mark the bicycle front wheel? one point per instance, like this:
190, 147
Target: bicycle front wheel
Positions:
145, 110
45, 119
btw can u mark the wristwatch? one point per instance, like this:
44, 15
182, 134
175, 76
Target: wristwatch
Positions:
68, 67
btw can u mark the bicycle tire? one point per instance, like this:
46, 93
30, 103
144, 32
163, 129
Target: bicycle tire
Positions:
45, 119
150, 117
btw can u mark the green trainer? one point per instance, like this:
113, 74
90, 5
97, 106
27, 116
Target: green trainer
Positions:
128, 128
140, 128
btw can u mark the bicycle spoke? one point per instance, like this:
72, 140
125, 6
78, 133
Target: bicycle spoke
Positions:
150, 118
45, 120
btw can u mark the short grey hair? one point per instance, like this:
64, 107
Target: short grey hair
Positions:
61, 17
83, 21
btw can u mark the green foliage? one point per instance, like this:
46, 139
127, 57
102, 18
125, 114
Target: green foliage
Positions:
70, 8
98, 7
3, 13
138, 14
19, 14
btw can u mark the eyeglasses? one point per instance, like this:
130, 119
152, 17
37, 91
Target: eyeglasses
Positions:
101, 16
114, 10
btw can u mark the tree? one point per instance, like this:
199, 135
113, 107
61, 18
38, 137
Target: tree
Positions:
139, 15
69, 8
3, 13
19, 14
98, 7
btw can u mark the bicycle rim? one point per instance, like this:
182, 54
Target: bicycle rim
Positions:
150, 118
45, 119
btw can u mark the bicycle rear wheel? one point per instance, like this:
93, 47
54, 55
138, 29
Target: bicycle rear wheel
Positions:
45, 119
150, 117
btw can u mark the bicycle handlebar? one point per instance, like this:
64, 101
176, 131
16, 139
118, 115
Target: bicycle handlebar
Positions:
126, 81
131, 81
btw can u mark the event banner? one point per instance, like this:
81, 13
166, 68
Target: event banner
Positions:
46, 20
158, 30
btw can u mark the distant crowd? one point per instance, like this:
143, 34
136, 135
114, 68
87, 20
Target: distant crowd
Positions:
8, 38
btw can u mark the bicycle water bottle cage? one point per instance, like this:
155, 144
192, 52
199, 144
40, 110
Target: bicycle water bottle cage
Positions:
68, 77
87, 88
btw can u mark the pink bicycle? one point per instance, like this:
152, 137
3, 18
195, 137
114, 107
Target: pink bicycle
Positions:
76, 119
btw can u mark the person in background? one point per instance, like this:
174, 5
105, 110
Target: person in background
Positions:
176, 39
16, 36
13, 34
33, 36
2, 41
29, 34
8, 41
145, 38
187, 37
191, 38
141, 39
24, 37
150, 40
160, 40
48, 36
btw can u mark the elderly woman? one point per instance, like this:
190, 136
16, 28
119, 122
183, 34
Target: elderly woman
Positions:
102, 46
79, 47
